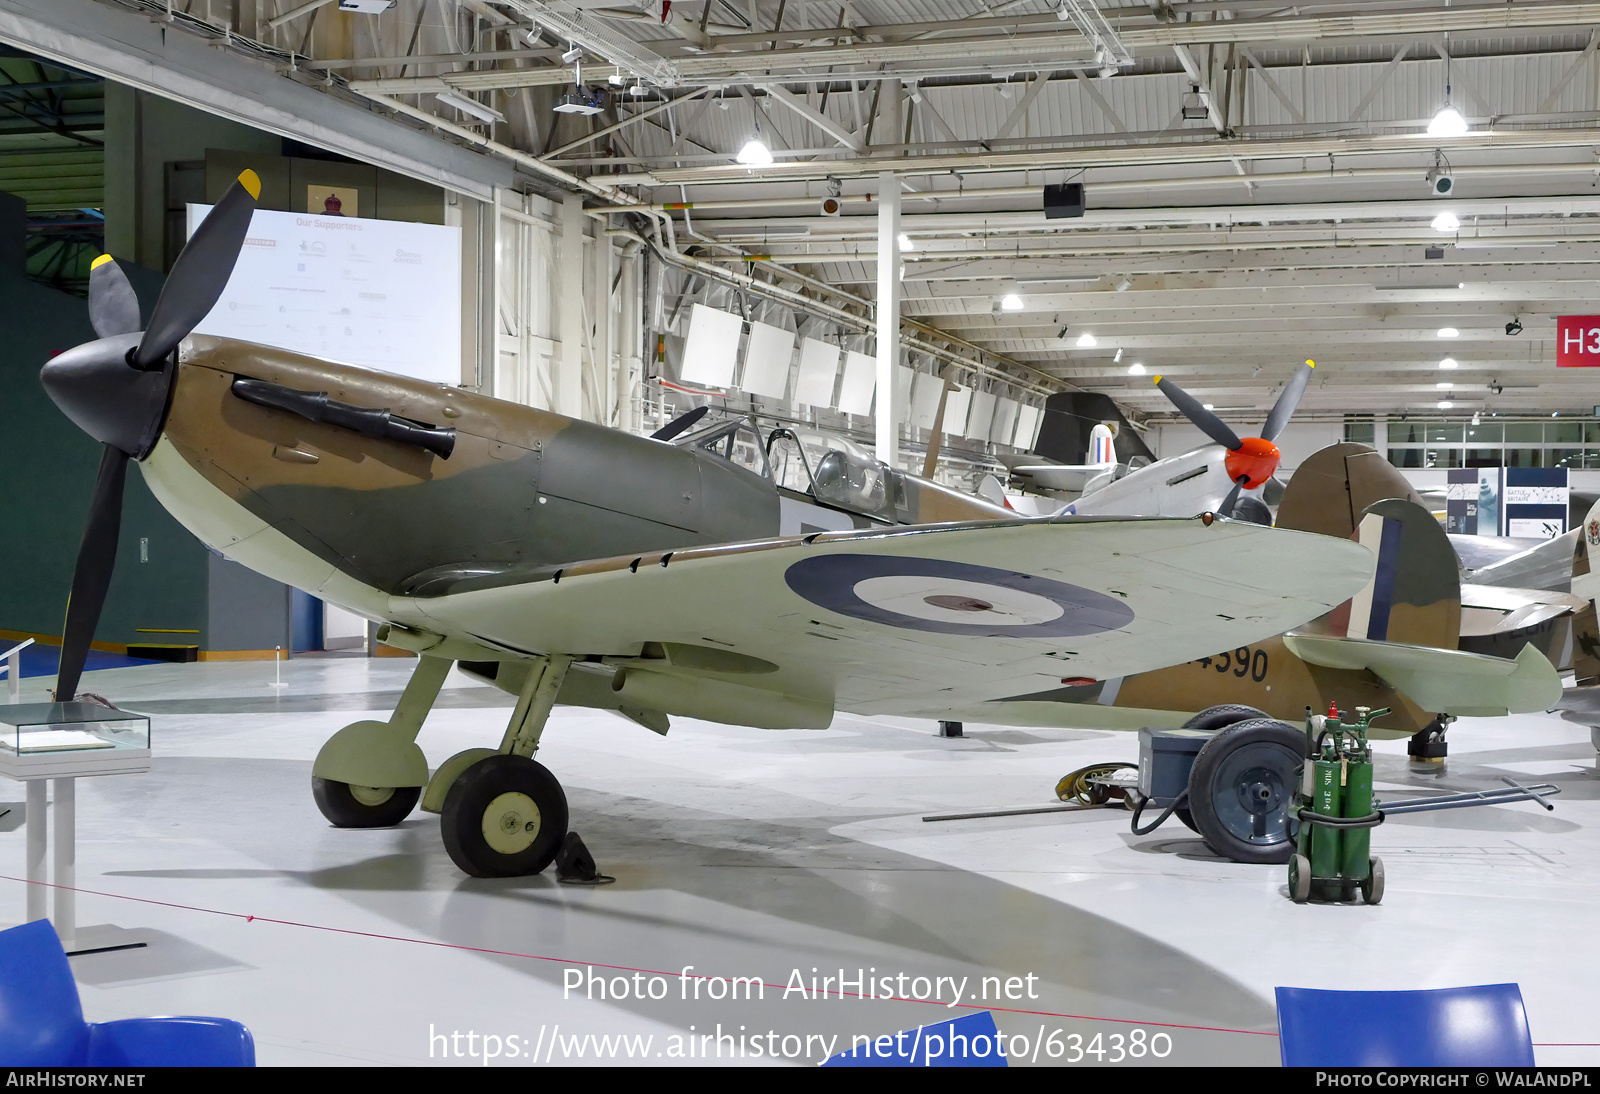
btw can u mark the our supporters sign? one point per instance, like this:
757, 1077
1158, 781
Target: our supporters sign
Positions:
1578, 341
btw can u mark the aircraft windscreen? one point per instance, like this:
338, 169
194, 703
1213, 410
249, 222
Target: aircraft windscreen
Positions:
735, 441
833, 470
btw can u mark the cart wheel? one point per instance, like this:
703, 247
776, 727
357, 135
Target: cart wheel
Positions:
1183, 814
1299, 879
1241, 787
1372, 887
1226, 715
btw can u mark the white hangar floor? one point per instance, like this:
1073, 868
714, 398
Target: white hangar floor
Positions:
749, 853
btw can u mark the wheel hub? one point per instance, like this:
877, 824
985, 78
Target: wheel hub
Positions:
511, 823
371, 795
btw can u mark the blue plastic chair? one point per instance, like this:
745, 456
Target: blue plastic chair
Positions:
1482, 1026
41, 1019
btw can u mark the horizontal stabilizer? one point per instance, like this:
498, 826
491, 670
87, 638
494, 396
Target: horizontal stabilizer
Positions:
1442, 681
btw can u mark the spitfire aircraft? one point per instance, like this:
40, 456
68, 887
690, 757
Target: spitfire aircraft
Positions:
571, 563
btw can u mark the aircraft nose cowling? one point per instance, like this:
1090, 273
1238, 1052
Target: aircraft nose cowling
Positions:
107, 398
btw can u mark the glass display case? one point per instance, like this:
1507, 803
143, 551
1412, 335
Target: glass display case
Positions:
62, 740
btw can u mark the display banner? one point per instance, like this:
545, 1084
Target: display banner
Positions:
1461, 501
1577, 341
1536, 502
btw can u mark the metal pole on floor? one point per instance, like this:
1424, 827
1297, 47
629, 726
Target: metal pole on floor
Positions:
65, 873
36, 843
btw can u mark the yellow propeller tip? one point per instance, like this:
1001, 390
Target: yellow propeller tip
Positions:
1158, 379
251, 182
101, 261
1311, 364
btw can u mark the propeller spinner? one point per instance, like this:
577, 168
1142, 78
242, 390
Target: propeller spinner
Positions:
116, 389
1251, 461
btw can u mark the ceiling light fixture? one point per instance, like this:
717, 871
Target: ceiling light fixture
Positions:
905, 242
1208, 406
1448, 362
755, 152
470, 106
1446, 222
1445, 385
1117, 360
1449, 332
1445, 404
1475, 420
1448, 122
1010, 296
1136, 369
1087, 341
571, 56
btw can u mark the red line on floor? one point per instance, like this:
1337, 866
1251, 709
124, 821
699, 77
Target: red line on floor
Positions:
599, 965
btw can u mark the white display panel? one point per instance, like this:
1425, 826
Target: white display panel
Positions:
860, 377
981, 416
925, 389
712, 348
1027, 427
955, 411
819, 367
1005, 421
380, 294
902, 392
766, 361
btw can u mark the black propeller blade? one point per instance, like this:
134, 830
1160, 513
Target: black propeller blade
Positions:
680, 423
201, 273
1226, 508
1213, 426
97, 555
1283, 409
113, 309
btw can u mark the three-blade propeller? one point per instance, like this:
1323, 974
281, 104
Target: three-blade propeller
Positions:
116, 389
1251, 461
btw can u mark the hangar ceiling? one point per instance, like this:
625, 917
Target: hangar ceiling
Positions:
1256, 171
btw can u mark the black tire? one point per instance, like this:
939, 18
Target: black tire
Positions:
1299, 879
1241, 789
505, 816
1226, 715
364, 806
1372, 887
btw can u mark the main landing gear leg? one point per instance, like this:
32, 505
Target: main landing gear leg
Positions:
505, 815
370, 774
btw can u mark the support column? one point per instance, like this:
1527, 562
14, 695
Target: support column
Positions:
888, 315
569, 368
36, 821
65, 871
602, 315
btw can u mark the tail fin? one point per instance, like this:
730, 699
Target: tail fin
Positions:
1332, 488
1415, 593
1586, 583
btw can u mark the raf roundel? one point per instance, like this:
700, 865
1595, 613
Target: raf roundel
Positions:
941, 597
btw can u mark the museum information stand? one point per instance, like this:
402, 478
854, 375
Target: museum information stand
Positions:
63, 742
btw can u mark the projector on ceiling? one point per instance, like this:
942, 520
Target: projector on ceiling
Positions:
582, 100
366, 7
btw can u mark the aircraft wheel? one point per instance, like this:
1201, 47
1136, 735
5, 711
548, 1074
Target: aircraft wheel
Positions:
348, 806
1220, 716
1299, 879
505, 816
1372, 887
1241, 786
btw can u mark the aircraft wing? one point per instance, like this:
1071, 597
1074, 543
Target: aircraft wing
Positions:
920, 618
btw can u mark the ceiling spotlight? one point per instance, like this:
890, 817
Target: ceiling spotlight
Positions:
1447, 123
755, 152
616, 79
1062, 334
1514, 327
571, 56
470, 106
1448, 362
1010, 296
1444, 385
905, 243
638, 90
1445, 404
1475, 418
1208, 406
1118, 358
916, 93
1446, 222
1136, 369
1449, 332
1063, 13
1087, 341
1124, 284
